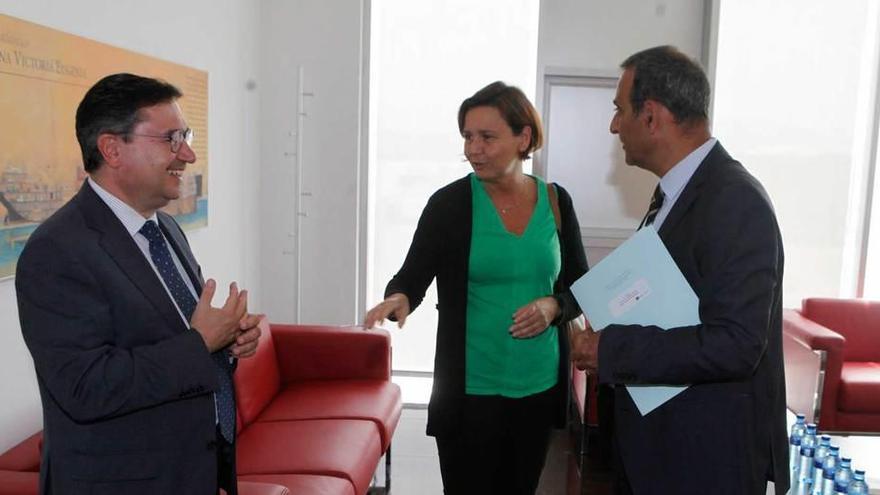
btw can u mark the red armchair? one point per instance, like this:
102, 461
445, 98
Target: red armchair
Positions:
832, 363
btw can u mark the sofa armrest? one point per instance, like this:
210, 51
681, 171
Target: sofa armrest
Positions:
819, 338
814, 335
25, 456
315, 352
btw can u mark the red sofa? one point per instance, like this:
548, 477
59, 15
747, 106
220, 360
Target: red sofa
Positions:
20, 467
316, 412
317, 409
20, 472
832, 363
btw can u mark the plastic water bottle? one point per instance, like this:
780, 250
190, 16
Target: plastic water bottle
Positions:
794, 448
818, 457
829, 467
858, 485
843, 476
804, 487
808, 450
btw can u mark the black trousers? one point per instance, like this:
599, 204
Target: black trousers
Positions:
226, 478
608, 440
500, 447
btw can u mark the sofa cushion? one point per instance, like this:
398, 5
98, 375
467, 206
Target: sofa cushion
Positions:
343, 448
859, 388
311, 484
256, 379
373, 400
19, 483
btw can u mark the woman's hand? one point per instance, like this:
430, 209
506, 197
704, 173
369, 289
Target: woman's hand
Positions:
534, 317
396, 304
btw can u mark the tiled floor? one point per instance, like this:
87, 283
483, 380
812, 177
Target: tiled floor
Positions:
416, 471
414, 465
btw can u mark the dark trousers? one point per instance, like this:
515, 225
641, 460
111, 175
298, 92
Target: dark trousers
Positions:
500, 447
606, 399
226, 478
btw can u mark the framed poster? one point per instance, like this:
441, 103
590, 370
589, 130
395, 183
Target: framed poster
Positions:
44, 74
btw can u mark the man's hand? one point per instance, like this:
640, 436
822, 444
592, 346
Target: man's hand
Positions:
245, 344
219, 326
396, 304
585, 349
534, 317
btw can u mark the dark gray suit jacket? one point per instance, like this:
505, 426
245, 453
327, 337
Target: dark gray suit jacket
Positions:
126, 387
726, 434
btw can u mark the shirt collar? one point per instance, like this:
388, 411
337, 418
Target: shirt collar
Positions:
130, 218
678, 176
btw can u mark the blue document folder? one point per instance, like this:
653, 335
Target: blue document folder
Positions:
639, 284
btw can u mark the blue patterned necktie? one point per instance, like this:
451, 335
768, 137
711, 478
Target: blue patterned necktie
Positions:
187, 303
654, 208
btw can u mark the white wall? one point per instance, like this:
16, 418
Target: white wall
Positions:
762, 117
326, 40
251, 179
600, 34
220, 37
591, 38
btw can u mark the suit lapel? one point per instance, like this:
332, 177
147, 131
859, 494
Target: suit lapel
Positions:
121, 248
692, 189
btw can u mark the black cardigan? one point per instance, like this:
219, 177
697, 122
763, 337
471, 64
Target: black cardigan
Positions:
441, 248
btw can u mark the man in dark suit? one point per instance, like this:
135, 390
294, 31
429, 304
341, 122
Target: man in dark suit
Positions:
726, 433
134, 364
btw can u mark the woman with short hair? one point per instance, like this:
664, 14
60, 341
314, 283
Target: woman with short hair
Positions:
504, 248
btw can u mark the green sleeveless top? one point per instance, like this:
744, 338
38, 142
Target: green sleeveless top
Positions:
505, 272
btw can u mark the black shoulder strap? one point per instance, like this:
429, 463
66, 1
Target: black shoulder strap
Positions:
554, 203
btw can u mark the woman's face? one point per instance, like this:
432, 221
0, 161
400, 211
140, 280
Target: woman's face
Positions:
490, 144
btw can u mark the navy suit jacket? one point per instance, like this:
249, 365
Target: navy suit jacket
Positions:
725, 434
126, 387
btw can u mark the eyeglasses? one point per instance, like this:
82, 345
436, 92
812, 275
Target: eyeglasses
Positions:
176, 138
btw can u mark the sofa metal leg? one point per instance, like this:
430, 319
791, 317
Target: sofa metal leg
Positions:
388, 470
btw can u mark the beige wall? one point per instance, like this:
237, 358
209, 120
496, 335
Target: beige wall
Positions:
216, 36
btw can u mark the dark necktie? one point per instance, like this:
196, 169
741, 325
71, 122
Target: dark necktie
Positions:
654, 208
186, 302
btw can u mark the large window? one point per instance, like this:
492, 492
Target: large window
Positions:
425, 58
871, 285
795, 102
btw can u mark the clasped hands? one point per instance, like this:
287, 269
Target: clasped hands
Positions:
229, 325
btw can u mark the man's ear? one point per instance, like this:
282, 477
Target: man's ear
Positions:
656, 115
649, 114
109, 146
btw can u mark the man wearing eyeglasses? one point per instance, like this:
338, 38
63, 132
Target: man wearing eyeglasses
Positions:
133, 362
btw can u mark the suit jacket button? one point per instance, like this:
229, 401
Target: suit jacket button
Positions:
212, 444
